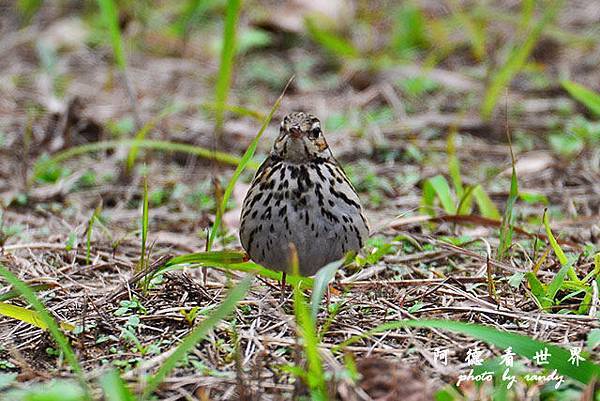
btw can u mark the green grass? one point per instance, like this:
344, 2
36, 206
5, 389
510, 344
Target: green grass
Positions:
227, 58
232, 260
314, 375
517, 58
332, 43
43, 163
89, 233
506, 228
475, 30
114, 388
584, 95
110, 18
144, 234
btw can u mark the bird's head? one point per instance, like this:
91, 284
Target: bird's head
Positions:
301, 139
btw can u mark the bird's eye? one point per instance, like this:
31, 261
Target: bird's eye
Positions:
315, 132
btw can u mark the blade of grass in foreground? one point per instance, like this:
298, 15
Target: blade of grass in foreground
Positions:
227, 56
233, 260
240, 168
191, 340
22, 314
522, 345
35, 288
315, 375
61, 340
321, 282
114, 387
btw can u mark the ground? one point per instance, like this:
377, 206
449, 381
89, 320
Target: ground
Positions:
398, 116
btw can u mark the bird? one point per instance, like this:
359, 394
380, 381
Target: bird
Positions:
300, 195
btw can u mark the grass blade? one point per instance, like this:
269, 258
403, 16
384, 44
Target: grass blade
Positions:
50, 323
89, 232
538, 290
142, 264
562, 258
506, 228
475, 32
516, 60
165, 146
225, 257
558, 280
142, 132
35, 288
334, 44
240, 168
192, 10
233, 260
114, 387
191, 340
110, 17
522, 345
487, 208
588, 98
437, 186
321, 282
454, 165
315, 377
227, 56
22, 314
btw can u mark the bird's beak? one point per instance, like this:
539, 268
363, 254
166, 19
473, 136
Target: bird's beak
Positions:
295, 132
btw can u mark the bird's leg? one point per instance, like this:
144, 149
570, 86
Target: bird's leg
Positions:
282, 291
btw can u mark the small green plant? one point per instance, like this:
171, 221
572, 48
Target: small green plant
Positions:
49, 172
190, 316
410, 33
128, 306
88, 235
459, 201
